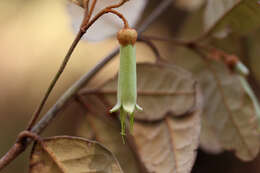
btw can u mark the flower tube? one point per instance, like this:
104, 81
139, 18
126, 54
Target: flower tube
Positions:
127, 87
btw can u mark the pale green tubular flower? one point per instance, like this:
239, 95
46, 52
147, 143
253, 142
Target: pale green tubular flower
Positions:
127, 87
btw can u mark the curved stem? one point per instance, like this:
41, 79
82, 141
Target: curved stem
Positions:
88, 14
153, 47
118, 5
103, 12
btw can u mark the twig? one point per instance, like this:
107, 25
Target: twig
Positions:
173, 41
153, 47
55, 79
19, 146
16, 150
212, 53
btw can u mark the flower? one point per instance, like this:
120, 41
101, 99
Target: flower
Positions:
127, 87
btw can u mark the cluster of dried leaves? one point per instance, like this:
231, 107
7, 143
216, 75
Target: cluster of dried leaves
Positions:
210, 108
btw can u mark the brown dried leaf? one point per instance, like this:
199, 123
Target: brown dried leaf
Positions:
107, 131
229, 113
239, 16
208, 140
168, 146
161, 89
166, 133
71, 154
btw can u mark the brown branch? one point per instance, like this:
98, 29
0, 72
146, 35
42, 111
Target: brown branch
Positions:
118, 5
19, 146
38, 110
103, 12
153, 47
213, 53
173, 41
17, 149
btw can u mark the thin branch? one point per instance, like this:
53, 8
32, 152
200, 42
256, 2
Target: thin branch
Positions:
118, 5
55, 79
212, 53
87, 13
17, 149
173, 41
103, 12
19, 146
86, 6
153, 47
92, 8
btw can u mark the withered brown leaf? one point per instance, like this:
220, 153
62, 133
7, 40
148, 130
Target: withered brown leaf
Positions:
166, 133
228, 115
107, 131
237, 16
170, 145
65, 154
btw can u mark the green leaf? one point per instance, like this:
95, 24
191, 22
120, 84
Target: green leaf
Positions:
239, 16
65, 154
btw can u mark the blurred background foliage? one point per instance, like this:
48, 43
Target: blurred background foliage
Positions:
34, 37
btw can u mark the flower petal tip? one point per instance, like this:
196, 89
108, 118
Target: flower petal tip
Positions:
139, 108
115, 108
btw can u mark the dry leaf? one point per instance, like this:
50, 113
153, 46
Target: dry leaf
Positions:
107, 131
168, 146
72, 154
208, 139
240, 16
229, 115
109, 24
166, 133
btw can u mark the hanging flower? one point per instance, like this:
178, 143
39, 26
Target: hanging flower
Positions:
127, 92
